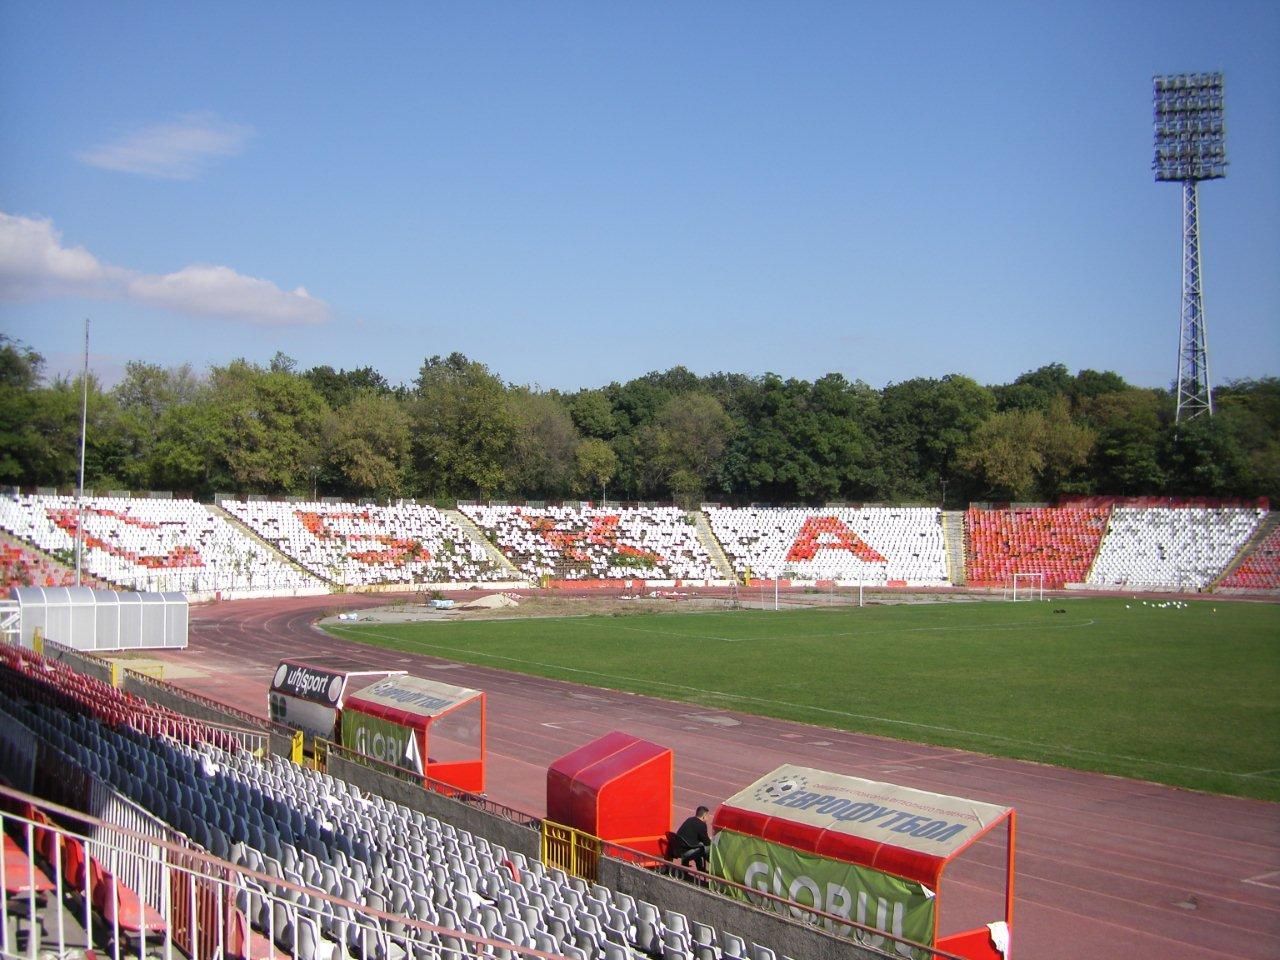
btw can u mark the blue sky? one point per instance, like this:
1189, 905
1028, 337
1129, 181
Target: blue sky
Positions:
575, 193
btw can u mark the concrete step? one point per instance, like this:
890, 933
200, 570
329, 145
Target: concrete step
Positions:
712, 544
953, 540
1260, 533
463, 523
57, 563
252, 534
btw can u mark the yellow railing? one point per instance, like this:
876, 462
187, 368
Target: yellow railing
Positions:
571, 850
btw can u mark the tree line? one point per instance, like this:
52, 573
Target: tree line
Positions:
459, 431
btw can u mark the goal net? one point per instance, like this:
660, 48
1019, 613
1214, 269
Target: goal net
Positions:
1028, 586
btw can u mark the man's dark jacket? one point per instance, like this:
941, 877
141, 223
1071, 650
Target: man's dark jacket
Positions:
691, 835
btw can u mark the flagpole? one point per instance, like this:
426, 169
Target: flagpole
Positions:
84, 423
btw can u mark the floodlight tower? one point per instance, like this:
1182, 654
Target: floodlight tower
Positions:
1190, 146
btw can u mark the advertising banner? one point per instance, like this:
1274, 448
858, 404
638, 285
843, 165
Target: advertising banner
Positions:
381, 739
413, 696
899, 907
931, 825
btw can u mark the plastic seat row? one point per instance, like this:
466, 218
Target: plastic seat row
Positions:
365, 544
593, 543
1260, 570
324, 835
153, 545
855, 544
1059, 542
1182, 548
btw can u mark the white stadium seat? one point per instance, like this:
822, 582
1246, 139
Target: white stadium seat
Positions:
850, 544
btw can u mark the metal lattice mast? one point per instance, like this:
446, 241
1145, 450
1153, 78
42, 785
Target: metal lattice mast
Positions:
1190, 135
1195, 396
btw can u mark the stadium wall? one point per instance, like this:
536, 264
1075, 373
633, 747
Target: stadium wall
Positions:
165, 695
495, 829
787, 938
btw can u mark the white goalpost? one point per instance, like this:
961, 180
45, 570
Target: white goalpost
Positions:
1028, 586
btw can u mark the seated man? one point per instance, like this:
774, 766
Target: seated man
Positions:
691, 843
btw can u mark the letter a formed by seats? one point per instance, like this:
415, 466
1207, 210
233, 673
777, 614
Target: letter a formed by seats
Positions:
829, 533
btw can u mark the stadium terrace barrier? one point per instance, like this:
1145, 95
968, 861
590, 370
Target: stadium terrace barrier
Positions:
281, 740
791, 929
483, 817
208, 908
82, 662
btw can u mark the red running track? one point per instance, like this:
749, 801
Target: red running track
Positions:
1107, 867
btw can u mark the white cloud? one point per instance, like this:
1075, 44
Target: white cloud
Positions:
34, 264
221, 292
178, 150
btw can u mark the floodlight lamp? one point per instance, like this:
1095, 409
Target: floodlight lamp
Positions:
1189, 128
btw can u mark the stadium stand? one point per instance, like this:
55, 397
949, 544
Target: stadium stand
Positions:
1059, 542
593, 543
868, 544
359, 545
155, 545
1260, 570
323, 835
1171, 547
20, 566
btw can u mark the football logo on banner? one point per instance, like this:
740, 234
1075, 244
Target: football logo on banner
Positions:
774, 790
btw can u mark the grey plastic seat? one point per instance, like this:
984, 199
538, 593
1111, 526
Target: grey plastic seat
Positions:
733, 947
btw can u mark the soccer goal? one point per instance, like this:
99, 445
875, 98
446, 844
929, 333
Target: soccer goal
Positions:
1028, 586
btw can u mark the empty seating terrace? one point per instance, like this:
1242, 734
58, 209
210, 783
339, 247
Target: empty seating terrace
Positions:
576, 542
1058, 542
1260, 570
358, 545
851, 544
154, 545
1183, 545
334, 851
21, 566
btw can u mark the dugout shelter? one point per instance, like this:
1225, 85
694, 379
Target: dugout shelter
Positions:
618, 788
429, 727
308, 695
101, 621
873, 852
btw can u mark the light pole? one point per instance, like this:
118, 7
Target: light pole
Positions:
1190, 146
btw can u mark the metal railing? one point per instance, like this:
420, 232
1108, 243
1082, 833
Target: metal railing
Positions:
66, 900
323, 748
579, 854
863, 934
573, 851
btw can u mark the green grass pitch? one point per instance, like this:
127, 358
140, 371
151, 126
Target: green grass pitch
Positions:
1180, 696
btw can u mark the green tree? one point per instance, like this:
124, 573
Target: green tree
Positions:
1024, 454
339, 387
22, 447
366, 445
144, 397
1126, 456
462, 428
592, 413
1202, 457
266, 428
923, 425
594, 466
543, 447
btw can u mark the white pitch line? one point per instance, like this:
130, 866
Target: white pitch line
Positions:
806, 706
